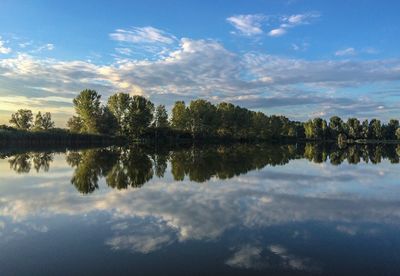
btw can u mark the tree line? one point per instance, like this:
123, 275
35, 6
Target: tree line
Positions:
137, 117
133, 166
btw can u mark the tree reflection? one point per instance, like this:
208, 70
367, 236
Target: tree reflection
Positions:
23, 162
89, 166
134, 166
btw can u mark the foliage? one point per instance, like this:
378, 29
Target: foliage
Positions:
43, 122
161, 117
22, 119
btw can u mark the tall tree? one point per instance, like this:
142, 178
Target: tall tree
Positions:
391, 128
180, 116
75, 124
43, 122
202, 117
365, 129
108, 123
118, 104
375, 129
353, 128
22, 119
87, 107
335, 126
140, 115
37, 125
161, 117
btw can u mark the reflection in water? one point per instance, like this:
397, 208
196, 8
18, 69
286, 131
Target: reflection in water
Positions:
262, 209
133, 167
22, 163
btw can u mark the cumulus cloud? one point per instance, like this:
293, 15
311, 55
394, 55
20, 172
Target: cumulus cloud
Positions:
248, 25
3, 48
205, 68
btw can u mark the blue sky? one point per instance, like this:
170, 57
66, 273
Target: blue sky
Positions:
297, 58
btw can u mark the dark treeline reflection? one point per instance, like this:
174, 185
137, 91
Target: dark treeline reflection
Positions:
134, 166
24, 162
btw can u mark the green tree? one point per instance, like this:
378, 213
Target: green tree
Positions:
335, 127
398, 133
118, 104
107, 124
375, 128
316, 129
88, 108
75, 124
22, 119
353, 127
227, 119
37, 125
203, 117
391, 128
180, 116
365, 129
161, 117
47, 122
140, 116
43, 122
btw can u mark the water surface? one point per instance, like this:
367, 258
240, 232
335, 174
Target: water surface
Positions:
226, 210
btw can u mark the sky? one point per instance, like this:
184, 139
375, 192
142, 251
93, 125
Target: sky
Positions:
297, 58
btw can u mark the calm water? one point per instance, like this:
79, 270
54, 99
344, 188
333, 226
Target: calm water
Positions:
216, 210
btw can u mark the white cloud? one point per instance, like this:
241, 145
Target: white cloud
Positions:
287, 22
248, 25
142, 35
3, 48
299, 19
124, 51
247, 256
346, 52
203, 68
277, 32
300, 46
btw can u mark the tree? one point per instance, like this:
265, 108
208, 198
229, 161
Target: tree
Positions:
391, 128
47, 122
227, 122
335, 126
43, 122
37, 125
202, 117
316, 129
22, 119
118, 104
140, 116
375, 128
88, 109
161, 117
365, 129
75, 124
353, 128
107, 123
398, 134
180, 116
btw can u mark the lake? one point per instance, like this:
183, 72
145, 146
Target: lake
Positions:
264, 209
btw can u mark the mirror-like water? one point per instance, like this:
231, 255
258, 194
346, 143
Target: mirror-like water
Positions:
226, 210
